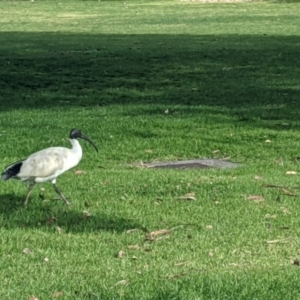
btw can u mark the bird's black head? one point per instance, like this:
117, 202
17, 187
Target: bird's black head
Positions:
76, 133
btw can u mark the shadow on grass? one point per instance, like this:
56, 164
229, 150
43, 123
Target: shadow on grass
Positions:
245, 76
13, 214
237, 284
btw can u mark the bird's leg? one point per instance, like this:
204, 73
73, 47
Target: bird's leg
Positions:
31, 185
59, 192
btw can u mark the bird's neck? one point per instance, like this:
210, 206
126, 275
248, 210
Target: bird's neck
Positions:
76, 148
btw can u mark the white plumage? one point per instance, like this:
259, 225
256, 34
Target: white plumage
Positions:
47, 165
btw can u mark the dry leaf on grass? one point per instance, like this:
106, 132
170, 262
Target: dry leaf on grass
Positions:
257, 177
133, 247
158, 232
289, 193
268, 141
33, 298
225, 157
268, 216
132, 230
188, 196
285, 210
277, 241
255, 198
79, 172
86, 214
163, 237
291, 173
273, 241
57, 294
58, 229
149, 151
153, 235
121, 254
46, 259
209, 227
122, 282
27, 251
234, 264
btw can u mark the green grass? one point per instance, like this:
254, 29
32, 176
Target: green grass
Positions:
227, 74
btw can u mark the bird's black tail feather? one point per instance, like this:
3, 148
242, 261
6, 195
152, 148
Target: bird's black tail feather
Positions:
12, 170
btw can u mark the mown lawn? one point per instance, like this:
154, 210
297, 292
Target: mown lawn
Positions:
152, 81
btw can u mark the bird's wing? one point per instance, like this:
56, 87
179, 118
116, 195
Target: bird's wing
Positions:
44, 163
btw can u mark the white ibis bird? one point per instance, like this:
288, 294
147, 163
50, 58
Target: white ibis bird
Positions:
47, 164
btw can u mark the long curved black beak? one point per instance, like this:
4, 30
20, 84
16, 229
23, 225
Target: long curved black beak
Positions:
89, 140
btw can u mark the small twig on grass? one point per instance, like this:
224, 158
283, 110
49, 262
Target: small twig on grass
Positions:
278, 241
283, 189
280, 186
163, 233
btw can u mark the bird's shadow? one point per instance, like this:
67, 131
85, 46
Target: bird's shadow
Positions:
56, 215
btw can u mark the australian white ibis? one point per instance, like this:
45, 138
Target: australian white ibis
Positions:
47, 164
